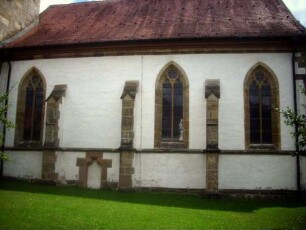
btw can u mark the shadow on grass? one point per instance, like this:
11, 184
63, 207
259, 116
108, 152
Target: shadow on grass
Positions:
191, 201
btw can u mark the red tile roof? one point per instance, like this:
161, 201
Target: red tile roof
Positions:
130, 20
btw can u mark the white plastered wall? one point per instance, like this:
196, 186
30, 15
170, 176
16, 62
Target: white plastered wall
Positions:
257, 172
113, 172
231, 69
170, 170
91, 109
66, 165
91, 116
23, 164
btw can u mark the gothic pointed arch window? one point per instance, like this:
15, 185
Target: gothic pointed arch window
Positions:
30, 110
261, 93
171, 108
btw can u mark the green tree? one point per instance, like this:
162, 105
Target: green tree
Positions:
4, 122
299, 121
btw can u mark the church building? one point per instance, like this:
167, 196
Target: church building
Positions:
155, 94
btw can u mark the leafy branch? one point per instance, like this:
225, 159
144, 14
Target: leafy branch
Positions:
296, 120
4, 122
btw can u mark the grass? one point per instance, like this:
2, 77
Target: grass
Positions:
31, 206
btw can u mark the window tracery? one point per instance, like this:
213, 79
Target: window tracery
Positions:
261, 99
30, 110
171, 109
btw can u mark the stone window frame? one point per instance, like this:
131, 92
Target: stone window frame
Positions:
158, 142
276, 143
19, 141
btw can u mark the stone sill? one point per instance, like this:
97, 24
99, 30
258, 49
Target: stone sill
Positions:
173, 145
262, 147
160, 150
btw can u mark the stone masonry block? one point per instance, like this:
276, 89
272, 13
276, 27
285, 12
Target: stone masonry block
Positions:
130, 90
15, 15
212, 161
4, 20
51, 115
57, 93
94, 155
50, 176
103, 174
49, 137
212, 134
83, 176
128, 103
125, 181
126, 159
81, 162
212, 86
127, 122
49, 156
105, 163
127, 134
212, 111
127, 142
48, 167
128, 111
126, 162
212, 186
301, 60
129, 155
212, 175
127, 170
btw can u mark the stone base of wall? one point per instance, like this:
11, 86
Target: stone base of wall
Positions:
126, 170
48, 166
260, 194
212, 162
221, 194
30, 180
107, 186
235, 193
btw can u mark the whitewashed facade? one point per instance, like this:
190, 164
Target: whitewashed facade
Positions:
90, 118
159, 99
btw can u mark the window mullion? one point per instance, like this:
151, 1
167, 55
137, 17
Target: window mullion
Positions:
172, 111
260, 116
33, 113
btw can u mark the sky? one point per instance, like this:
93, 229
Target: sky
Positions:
297, 7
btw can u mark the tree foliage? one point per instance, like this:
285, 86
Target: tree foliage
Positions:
296, 120
4, 122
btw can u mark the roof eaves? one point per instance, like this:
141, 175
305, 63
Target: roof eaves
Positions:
175, 39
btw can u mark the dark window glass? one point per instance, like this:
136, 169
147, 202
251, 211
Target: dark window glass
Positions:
172, 74
38, 114
260, 110
167, 110
178, 108
28, 114
255, 136
33, 109
172, 106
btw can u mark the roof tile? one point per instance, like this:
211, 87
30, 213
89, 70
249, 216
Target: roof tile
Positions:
126, 20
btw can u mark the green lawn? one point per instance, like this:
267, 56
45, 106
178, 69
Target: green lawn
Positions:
31, 206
